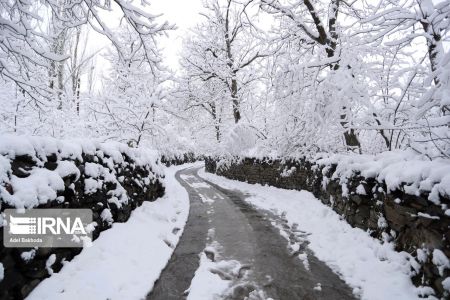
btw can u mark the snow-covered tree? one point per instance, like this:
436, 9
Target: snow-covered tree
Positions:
225, 48
315, 57
132, 93
419, 29
26, 43
40, 52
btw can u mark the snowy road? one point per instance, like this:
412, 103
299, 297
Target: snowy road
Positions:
242, 253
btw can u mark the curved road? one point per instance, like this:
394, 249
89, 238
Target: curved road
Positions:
245, 234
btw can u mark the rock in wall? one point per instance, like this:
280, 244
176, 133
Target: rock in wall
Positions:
109, 178
415, 224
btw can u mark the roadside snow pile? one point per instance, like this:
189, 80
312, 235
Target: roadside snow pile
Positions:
207, 284
34, 169
372, 268
218, 278
126, 260
415, 173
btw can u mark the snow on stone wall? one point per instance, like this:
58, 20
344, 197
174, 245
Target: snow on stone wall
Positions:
180, 158
396, 196
110, 178
413, 174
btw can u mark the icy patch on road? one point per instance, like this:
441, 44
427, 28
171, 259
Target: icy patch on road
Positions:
206, 199
373, 269
126, 260
187, 177
197, 185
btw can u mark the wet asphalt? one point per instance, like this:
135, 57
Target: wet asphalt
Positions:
251, 237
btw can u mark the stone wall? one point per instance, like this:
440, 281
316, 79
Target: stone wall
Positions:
124, 181
175, 160
415, 224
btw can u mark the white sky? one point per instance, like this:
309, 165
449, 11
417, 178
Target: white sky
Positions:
184, 14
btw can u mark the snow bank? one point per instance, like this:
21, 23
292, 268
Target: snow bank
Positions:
126, 260
373, 268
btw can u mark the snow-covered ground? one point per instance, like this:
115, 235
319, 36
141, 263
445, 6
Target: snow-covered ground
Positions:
126, 260
372, 268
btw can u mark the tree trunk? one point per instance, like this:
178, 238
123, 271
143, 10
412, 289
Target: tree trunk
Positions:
216, 121
350, 136
78, 96
234, 84
351, 139
235, 100
432, 43
56, 71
